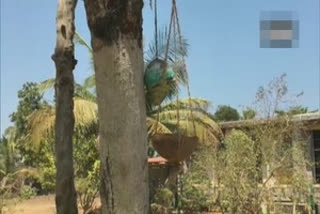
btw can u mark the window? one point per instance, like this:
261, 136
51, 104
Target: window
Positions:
316, 146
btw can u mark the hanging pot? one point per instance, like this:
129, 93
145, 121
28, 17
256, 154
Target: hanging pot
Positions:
173, 147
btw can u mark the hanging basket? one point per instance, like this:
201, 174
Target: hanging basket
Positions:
174, 148
158, 82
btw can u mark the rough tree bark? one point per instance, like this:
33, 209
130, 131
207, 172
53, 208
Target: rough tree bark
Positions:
116, 38
66, 199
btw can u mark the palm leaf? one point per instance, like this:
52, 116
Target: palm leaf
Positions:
44, 86
84, 93
78, 39
206, 129
41, 123
175, 51
90, 82
175, 55
85, 112
186, 103
154, 128
206, 134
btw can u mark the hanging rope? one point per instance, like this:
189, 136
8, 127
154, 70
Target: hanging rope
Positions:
175, 60
183, 62
178, 103
169, 36
174, 26
156, 27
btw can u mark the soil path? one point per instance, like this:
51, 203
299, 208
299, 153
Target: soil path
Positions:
36, 205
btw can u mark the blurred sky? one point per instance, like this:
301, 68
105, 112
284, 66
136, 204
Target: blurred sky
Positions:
225, 62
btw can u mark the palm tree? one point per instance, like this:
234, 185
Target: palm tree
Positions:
85, 107
41, 122
8, 153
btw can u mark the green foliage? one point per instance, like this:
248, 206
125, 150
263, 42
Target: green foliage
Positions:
163, 200
48, 173
85, 154
30, 100
198, 189
88, 187
293, 110
27, 192
84, 93
238, 174
226, 113
17, 152
87, 169
248, 114
18, 185
90, 82
297, 110
248, 169
4, 196
8, 155
164, 197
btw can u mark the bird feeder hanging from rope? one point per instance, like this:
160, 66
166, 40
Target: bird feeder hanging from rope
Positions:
175, 147
158, 76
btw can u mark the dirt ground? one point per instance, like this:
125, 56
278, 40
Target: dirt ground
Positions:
36, 205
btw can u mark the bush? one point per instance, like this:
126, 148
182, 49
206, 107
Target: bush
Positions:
197, 188
48, 174
27, 192
162, 201
88, 188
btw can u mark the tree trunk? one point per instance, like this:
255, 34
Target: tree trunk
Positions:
66, 199
116, 37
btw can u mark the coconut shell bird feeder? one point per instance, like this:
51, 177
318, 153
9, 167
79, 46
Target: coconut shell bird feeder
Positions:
175, 147
157, 79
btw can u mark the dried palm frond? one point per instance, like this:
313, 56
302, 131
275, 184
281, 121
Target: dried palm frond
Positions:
154, 128
206, 134
40, 125
46, 85
206, 129
85, 112
186, 103
41, 122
